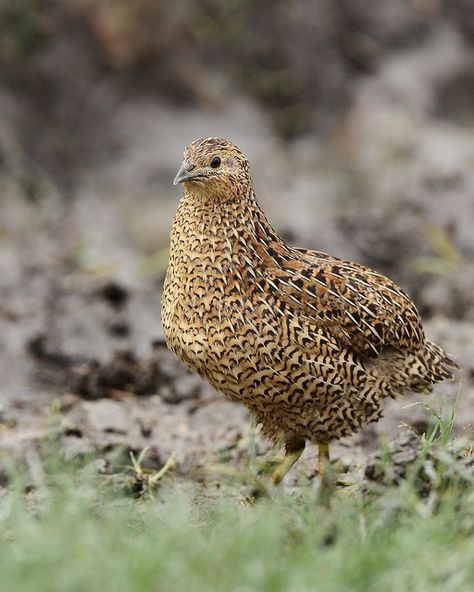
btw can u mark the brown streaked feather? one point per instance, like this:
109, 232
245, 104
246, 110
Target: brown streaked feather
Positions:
362, 309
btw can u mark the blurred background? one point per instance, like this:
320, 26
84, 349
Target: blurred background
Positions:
358, 119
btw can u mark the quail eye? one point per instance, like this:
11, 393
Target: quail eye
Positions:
215, 162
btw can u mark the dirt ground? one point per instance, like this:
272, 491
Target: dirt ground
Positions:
82, 261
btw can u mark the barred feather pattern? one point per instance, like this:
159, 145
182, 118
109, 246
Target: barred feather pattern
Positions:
310, 343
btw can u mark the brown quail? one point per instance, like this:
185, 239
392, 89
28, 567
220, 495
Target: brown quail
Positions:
311, 344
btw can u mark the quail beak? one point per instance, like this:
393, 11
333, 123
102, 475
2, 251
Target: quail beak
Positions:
185, 174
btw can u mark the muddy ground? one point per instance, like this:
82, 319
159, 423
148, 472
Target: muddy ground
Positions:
83, 255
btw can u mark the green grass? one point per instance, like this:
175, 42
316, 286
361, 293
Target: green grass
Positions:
65, 528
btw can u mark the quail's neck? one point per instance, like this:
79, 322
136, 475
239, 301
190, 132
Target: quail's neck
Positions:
236, 218
234, 229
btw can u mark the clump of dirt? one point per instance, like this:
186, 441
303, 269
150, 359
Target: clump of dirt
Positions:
122, 375
91, 379
115, 294
428, 466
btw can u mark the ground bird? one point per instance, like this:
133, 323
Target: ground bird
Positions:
311, 344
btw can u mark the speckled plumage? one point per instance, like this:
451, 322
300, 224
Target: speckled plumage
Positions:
311, 344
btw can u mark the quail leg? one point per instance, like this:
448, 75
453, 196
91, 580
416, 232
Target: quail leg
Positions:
323, 461
325, 473
293, 450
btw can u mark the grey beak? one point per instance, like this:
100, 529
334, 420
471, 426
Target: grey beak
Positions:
184, 174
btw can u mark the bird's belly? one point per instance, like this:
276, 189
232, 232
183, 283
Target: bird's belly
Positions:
248, 359
289, 387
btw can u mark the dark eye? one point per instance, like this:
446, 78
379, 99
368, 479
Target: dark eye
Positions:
215, 162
